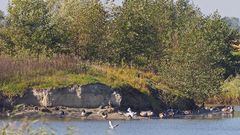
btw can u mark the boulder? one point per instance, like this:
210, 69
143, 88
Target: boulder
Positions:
150, 113
143, 114
100, 95
171, 100
182, 103
86, 96
6, 103
146, 113
134, 99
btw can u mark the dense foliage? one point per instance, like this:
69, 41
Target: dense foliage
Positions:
191, 53
233, 22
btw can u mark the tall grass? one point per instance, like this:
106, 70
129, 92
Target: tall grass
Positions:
19, 74
230, 92
15, 72
125, 75
21, 67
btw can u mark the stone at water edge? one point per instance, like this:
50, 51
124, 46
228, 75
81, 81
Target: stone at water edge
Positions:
150, 113
143, 114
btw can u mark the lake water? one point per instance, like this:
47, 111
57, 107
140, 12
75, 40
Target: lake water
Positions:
207, 125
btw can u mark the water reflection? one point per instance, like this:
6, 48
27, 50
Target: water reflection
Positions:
110, 132
212, 116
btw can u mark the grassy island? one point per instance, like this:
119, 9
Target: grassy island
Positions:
155, 44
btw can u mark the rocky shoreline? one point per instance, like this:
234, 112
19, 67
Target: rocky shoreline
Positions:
100, 102
35, 112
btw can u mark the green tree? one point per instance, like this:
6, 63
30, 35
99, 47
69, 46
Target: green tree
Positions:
200, 45
220, 36
134, 36
29, 27
232, 64
233, 22
83, 22
1, 27
1, 19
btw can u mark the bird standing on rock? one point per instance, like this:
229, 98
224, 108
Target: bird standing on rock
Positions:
8, 113
62, 113
129, 109
104, 115
170, 113
83, 113
130, 113
187, 112
231, 109
228, 109
162, 115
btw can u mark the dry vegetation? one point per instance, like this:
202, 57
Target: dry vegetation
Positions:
231, 92
19, 74
12, 67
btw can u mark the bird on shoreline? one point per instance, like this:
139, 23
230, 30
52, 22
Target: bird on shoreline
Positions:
170, 113
162, 115
8, 113
112, 126
231, 109
187, 112
228, 109
85, 114
104, 115
130, 113
62, 113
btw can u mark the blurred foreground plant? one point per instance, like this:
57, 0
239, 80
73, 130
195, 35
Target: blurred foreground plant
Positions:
26, 128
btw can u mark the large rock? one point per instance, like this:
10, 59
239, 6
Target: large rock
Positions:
86, 96
176, 102
182, 103
5, 102
96, 95
134, 99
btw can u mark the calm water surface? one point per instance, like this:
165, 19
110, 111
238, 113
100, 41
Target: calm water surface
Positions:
208, 125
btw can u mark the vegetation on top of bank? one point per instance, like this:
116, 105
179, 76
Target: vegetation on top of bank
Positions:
165, 44
231, 90
20, 74
230, 93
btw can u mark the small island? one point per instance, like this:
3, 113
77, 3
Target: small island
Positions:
95, 60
